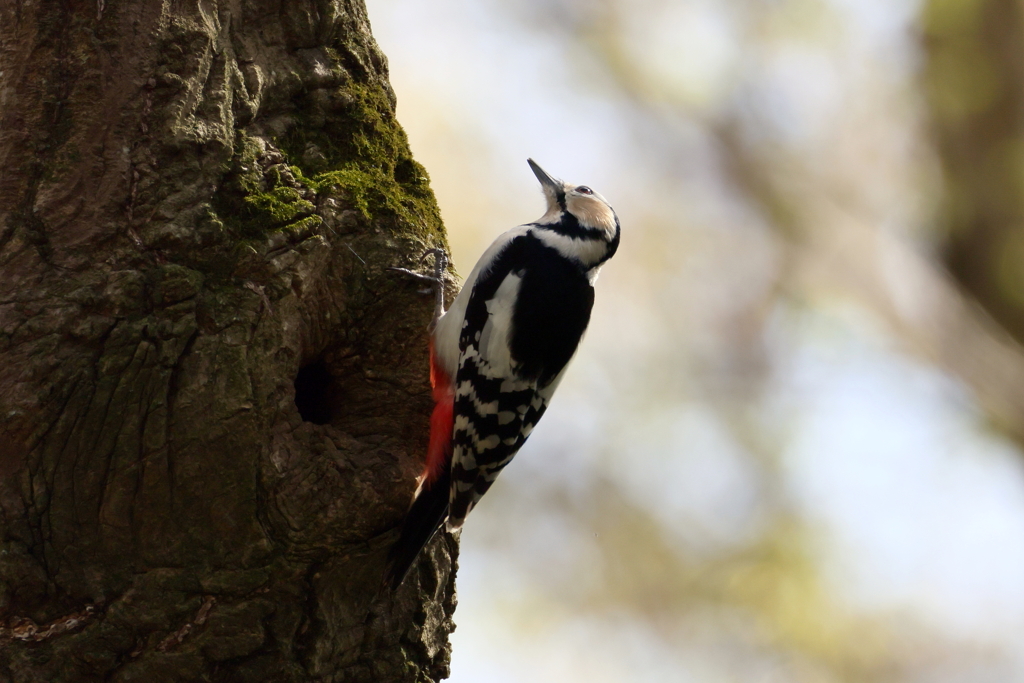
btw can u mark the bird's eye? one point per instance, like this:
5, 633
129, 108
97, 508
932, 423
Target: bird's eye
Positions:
583, 189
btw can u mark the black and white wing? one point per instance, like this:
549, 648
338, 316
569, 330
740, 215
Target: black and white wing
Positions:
523, 322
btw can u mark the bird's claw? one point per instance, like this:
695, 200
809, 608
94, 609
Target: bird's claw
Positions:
436, 280
440, 263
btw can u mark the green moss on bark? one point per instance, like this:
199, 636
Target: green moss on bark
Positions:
359, 155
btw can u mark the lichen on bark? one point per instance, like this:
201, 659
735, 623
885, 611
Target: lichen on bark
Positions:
198, 204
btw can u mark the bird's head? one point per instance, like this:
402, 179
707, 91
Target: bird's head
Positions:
576, 210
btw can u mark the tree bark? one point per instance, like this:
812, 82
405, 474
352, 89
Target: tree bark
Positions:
213, 397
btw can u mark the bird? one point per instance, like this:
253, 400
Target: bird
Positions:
500, 351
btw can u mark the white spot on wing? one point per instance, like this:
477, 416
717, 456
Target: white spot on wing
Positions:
490, 443
446, 333
494, 340
466, 389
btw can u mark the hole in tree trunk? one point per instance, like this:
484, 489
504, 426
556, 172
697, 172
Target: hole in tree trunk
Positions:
314, 392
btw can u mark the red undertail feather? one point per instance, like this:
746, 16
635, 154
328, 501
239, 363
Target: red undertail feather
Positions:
430, 506
439, 451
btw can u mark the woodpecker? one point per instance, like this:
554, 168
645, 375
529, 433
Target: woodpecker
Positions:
498, 354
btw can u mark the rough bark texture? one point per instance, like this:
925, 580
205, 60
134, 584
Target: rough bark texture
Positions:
213, 397
974, 78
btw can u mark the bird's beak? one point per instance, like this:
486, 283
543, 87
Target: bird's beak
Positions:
546, 180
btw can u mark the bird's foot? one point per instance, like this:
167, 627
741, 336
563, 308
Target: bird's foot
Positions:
436, 280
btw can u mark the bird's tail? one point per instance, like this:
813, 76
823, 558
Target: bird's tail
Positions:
425, 517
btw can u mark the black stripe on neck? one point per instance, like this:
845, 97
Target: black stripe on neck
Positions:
613, 246
569, 226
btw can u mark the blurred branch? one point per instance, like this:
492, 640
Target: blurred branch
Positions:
918, 301
828, 250
974, 87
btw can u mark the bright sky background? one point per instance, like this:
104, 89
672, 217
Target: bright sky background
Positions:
713, 399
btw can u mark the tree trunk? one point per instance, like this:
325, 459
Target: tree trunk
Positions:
213, 397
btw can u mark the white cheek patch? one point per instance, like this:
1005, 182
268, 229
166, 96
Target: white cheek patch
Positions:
591, 212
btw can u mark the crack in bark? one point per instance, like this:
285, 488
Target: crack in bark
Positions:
178, 637
25, 629
173, 386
